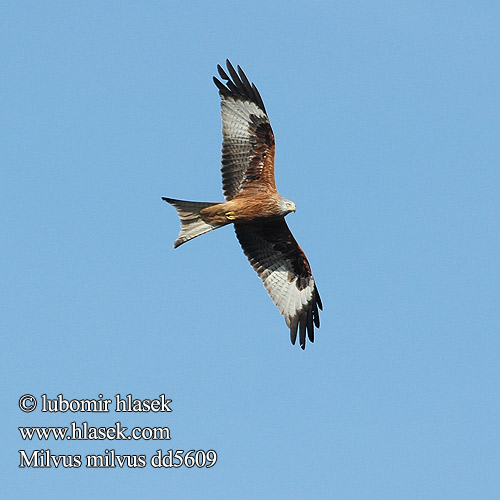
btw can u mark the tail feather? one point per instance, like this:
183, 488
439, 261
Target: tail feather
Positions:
192, 225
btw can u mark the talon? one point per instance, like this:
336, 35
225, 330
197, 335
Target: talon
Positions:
230, 216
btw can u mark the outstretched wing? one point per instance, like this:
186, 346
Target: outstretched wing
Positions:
248, 140
283, 267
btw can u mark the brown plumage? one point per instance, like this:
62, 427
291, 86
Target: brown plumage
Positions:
255, 207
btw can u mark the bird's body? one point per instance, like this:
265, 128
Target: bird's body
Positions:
255, 207
247, 208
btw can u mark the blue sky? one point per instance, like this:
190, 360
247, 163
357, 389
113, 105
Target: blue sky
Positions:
386, 117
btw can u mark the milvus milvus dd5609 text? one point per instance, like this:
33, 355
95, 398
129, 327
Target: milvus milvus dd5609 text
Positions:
255, 207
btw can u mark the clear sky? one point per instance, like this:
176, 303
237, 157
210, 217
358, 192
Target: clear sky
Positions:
387, 123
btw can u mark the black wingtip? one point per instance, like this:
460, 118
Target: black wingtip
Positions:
231, 69
318, 298
302, 332
236, 83
222, 88
304, 323
222, 73
293, 331
310, 325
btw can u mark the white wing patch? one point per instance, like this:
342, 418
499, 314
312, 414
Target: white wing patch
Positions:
236, 116
285, 294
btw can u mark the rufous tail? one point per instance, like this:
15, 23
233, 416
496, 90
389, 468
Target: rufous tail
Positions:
192, 224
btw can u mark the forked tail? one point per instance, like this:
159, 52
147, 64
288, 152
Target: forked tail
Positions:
192, 224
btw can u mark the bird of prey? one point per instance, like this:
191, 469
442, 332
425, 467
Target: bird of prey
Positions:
254, 206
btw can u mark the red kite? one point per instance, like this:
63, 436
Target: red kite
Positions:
255, 207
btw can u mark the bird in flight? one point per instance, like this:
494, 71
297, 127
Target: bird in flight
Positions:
254, 206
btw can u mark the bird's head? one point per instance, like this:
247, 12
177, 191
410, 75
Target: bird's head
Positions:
287, 206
